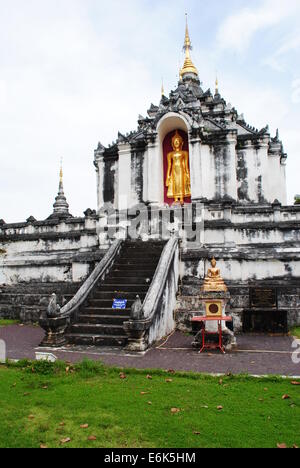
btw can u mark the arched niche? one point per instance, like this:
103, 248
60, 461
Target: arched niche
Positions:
165, 128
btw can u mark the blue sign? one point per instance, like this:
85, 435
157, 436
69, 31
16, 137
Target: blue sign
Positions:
119, 304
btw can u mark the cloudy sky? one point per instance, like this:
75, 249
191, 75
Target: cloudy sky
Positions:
74, 72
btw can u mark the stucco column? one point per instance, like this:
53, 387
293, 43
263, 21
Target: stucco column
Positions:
267, 177
196, 168
99, 164
154, 176
124, 177
231, 188
283, 184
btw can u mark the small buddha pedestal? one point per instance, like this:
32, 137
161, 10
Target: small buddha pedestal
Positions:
214, 298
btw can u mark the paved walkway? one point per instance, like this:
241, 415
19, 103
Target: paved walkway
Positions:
255, 354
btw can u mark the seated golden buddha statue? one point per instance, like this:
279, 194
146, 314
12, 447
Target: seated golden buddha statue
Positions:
214, 281
178, 174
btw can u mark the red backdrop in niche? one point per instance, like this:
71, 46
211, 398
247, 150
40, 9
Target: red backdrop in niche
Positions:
168, 148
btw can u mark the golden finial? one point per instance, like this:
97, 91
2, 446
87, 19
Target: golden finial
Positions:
188, 66
61, 171
162, 87
217, 86
187, 42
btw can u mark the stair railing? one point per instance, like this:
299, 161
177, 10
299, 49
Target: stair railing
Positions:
56, 320
99, 273
156, 316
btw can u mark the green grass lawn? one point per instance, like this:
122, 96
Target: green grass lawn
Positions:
296, 332
7, 323
45, 405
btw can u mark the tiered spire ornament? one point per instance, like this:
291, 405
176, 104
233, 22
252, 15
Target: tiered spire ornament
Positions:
61, 206
188, 66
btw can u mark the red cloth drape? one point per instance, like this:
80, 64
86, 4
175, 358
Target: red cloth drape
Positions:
167, 148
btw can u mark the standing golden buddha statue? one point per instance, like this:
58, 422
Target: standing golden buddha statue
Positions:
178, 173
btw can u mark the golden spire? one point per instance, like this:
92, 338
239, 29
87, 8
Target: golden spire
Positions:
188, 66
217, 86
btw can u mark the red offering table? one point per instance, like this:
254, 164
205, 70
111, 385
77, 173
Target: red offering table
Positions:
219, 320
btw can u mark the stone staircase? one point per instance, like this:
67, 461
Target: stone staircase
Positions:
97, 323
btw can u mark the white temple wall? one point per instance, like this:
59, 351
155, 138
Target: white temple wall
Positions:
44, 246
206, 173
153, 173
265, 178
80, 272
276, 183
46, 252
59, 271
263, 183
249, 236
283, 187
249, 170
145, 176
261, 177
39, 266
230, 168
245, 270
22, 248
100, 182
25, 274
225, 162
197, 168
212, 236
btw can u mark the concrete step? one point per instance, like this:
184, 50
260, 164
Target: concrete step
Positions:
140, 253
106, 304
97, 329
96, 340
143, 250
138, 261
101, 311
111, 286
140, 258
122, 280
117, 320
132, 265
107, 295
131, 273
